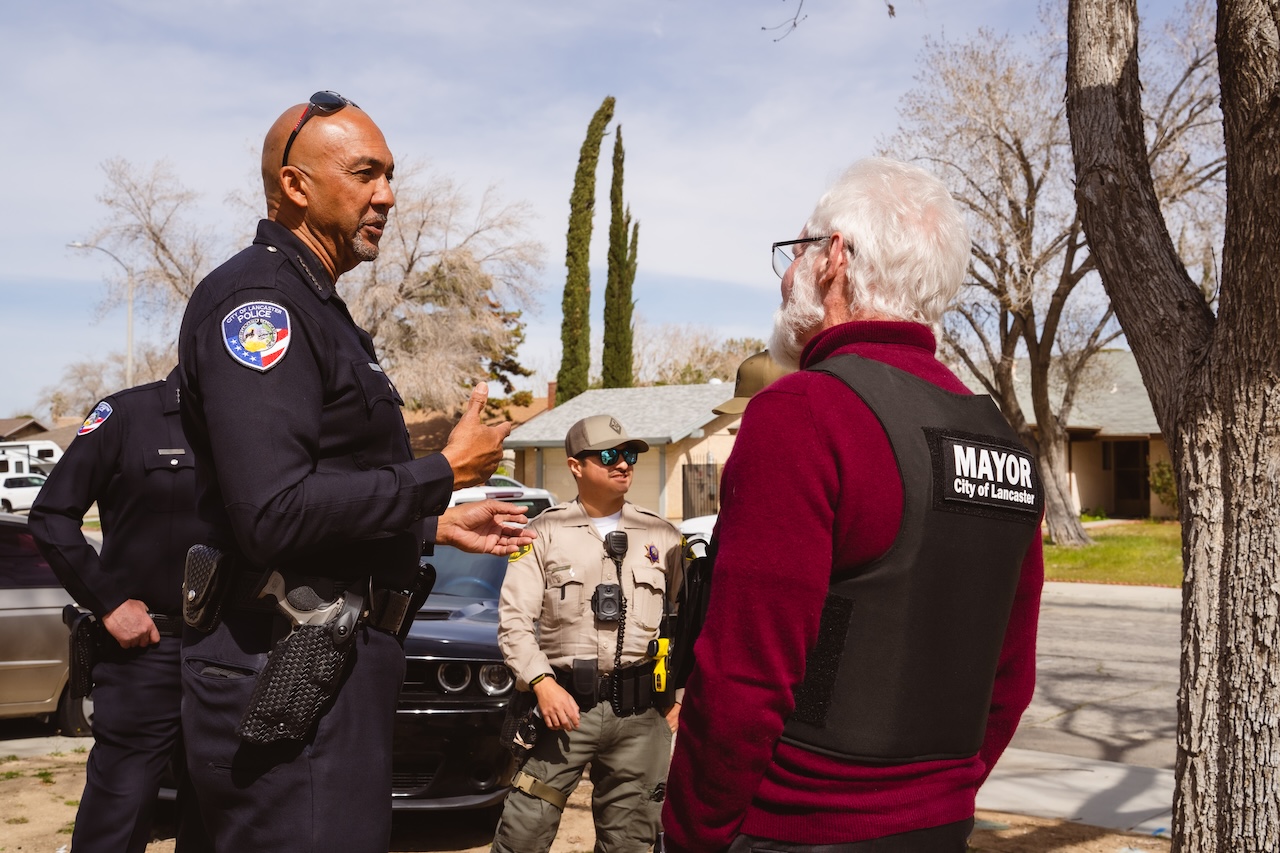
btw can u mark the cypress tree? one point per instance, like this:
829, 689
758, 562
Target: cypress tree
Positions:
575, 327
618, 305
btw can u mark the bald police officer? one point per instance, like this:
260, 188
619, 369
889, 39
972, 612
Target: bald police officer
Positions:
579, 608
307, 478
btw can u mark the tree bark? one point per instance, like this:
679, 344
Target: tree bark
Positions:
1060, 514
1213, 384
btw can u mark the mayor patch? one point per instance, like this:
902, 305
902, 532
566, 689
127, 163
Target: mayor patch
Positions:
257, 334
979, 475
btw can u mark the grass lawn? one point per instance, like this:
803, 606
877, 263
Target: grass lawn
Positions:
1148, 553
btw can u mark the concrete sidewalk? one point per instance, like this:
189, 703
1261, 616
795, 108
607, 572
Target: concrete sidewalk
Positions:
1082, 790
1087, 790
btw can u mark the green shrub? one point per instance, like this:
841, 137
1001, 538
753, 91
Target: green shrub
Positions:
1164, 484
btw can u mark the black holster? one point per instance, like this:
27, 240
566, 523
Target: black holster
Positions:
302, 677
88, 638
521, 725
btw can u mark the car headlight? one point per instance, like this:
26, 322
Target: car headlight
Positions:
495, 679
453, 677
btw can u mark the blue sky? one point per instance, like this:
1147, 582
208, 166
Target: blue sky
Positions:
731, 136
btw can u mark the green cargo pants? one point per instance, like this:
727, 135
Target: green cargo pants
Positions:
629, 758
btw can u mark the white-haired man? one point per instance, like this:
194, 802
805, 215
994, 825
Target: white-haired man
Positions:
870, 641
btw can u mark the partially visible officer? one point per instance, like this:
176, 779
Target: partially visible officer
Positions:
575, 624
870, 641
755, 373
305, 470
133, 459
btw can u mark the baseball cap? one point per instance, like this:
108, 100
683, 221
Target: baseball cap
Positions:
754, 374
599, 432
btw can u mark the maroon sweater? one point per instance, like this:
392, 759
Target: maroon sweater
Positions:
812, 488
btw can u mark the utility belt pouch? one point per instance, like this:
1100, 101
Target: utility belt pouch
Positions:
586, 680
632, 691
205, 581
87, 637
393, 610
305, 669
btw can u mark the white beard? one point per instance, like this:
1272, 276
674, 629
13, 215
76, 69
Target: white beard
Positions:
797, 318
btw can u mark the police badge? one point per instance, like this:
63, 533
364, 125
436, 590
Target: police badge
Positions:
257, 334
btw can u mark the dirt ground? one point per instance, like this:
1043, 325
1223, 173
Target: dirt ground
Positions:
39, 796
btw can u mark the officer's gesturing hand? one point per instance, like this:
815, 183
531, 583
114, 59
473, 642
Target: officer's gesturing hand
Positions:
557, 707
485, 527
474, 450
131, 626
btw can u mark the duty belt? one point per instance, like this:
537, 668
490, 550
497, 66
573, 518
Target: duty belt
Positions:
387, 607
627, 678
168, 626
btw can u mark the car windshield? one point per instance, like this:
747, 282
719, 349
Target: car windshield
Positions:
533, 505
468, 575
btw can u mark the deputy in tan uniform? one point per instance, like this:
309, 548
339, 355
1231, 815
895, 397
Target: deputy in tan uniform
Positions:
575, 622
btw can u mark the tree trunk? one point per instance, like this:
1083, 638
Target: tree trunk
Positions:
1060, 513
1214, 388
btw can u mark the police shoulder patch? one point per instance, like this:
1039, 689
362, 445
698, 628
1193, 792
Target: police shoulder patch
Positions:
96, 418
524, 549
257, 334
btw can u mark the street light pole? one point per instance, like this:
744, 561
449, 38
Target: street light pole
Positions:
128, 273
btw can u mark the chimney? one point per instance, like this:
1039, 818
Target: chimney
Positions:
551, 395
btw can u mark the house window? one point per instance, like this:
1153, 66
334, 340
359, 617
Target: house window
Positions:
4, 466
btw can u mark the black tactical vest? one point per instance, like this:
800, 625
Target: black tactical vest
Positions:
908, 644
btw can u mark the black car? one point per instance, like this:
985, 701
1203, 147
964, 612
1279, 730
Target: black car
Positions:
446, 753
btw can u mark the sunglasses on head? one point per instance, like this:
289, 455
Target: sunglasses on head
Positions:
325, 103
609, 458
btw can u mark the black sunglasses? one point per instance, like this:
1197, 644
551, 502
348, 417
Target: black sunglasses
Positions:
326, 103
609, 458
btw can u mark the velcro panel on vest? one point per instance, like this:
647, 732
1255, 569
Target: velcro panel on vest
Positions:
813, 695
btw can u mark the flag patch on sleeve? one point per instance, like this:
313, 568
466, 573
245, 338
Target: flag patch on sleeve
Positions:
96, 418
257, 334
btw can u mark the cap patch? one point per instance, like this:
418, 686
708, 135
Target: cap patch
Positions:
96, 418
257, 334
615, 426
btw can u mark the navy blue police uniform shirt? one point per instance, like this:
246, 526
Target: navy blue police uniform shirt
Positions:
132, 458
302, 454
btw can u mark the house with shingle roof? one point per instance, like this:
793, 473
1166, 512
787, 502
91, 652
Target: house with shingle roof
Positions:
688, 443
1115, 438
1113, 431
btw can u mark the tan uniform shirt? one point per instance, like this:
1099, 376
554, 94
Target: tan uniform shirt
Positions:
545, 618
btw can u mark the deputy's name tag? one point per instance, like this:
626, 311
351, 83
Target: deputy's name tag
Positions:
979, 474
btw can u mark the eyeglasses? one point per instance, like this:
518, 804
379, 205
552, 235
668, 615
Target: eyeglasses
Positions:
326, 103
782, 259
609, 458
